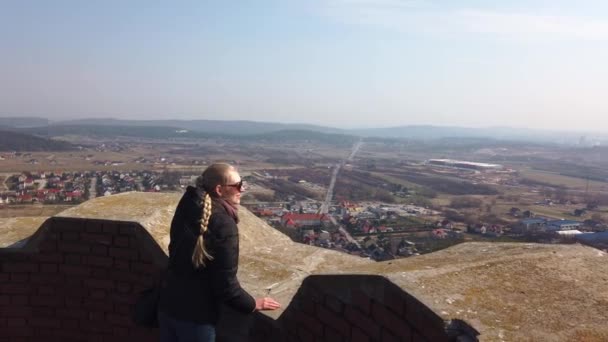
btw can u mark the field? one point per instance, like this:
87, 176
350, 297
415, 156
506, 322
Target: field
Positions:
32, 210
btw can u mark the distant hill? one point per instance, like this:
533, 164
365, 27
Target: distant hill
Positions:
164, 132
250, 128
19, 122
230, 127
15, 141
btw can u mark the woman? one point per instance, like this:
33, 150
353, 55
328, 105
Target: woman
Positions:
203, 259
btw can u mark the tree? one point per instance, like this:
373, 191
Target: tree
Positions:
579, 212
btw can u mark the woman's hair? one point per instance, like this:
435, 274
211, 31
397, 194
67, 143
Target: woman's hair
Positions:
214, 175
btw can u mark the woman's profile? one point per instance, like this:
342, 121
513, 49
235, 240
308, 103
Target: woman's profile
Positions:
203, 259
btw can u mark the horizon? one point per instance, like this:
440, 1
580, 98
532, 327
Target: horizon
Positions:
354, 64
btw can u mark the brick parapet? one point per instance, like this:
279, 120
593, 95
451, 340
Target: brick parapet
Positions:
77, 279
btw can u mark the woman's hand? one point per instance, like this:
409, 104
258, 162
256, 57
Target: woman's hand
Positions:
266, 303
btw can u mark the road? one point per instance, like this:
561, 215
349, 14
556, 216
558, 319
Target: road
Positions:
93, 188
330, 192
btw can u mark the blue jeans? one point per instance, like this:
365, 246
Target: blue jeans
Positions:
173, 330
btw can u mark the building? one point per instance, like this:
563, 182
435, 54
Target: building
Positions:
461, 164
303, 220
563, 225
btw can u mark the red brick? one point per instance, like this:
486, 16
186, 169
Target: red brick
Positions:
74, 302
124, 276
72, 259
388, 337
15, 332
98, 305
122, 287
16, 322
362, 321
127, 229
97, 294
13, 289
70, 313
48, 268
111, 228
47, 246
50, 257
19, 267
68, 225
46, 290
50, 301
90, 327
144, 268
123, 253
97, 316
70, 236
120, 320
101, 239
332, 335
391, 322
99, 284
45, 322
313, 294
19, 299
75, 270
418, 338
305, 335
100, 273
121, 241
46, 279
333, 320
73, 287
361, 301
120, 332
394, 300
94, 226
19, 277
334, 304
426, 322
121, 298
74, 247
358, 336
41, 311
309, 323
124, 309
15, 311
99, 250
308, 307
101, 261
120, 264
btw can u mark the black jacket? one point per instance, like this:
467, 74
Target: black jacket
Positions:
195, 295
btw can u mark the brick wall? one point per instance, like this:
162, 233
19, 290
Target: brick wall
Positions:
76, 280
357, 308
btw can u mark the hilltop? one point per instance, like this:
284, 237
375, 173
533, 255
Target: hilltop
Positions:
15, 141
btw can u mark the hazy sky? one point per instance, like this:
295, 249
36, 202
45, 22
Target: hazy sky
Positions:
349, 63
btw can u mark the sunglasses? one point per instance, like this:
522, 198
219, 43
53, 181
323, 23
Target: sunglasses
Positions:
240, 186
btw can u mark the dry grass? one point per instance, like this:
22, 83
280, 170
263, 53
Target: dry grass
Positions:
32, 210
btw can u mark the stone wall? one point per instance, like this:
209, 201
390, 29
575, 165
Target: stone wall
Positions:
76, 280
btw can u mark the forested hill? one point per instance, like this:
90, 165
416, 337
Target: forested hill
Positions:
14, 141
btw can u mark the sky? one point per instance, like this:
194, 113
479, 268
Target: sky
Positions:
340, 63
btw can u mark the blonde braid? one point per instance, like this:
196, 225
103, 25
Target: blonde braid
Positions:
200, 252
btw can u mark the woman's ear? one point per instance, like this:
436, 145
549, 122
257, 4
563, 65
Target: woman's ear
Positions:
218, 190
